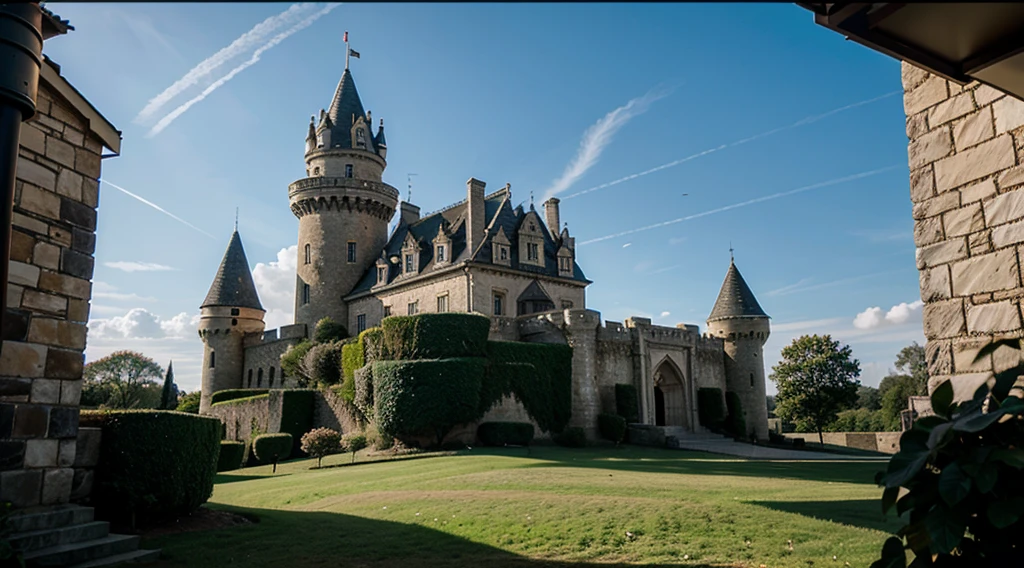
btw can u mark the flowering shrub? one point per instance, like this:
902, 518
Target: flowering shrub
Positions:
320, 442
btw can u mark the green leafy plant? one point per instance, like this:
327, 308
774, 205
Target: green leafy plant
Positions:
321, 442
234, 394
270, 448
573, 437
353, 443
627, 402
189, 402
433, 336
297, 414
960, 473
505, 433
612, 427
293, 362
328, 331
323, 363
231, 455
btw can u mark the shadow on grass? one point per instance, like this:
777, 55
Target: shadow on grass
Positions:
220, 478
863, 513
656, 460
311, 538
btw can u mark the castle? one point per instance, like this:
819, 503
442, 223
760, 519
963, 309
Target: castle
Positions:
479, 255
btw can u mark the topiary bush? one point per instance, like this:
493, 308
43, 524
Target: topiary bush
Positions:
323, 363
321, 442
269, 448
416, 398
231, 455
434, 336
737, 420
241, 400
297, 414
505, 433
363, 398
328, 331
353, 443
710, 411
232, 394
154, 463
612, 427
627, 403
571, 438
538, 374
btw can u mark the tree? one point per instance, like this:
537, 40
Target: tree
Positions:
293, 362
320, 442
189, 402
127, 374
910, 379
169, 395
911, 361
816, 379
869, 398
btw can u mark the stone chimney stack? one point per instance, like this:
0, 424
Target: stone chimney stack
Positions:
409, 213
551, 217
475, 217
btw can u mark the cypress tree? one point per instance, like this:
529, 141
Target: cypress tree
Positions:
169, 396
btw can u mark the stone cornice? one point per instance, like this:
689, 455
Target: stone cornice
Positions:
318, 194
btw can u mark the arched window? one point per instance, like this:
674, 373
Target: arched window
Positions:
259, 377
316, 171
213, 360
270, 380
751, 379
308, 253
348, 170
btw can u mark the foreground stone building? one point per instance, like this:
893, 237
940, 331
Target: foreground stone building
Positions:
483, 254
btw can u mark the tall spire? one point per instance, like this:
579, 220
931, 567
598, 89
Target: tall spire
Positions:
233, 286
735, 300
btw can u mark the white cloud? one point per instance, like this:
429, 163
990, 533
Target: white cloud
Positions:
627, 245
275, 282
676, 240
102, 290
665, 314
131, 266
874, 317
140, 323
598, 137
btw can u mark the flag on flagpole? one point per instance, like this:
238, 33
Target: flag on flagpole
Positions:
353, 53
346, 36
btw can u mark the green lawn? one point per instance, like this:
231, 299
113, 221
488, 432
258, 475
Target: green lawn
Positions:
546, 506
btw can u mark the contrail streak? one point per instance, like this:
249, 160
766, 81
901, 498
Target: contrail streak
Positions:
801, 122
744, 203
174, 114
157, 207
247, 41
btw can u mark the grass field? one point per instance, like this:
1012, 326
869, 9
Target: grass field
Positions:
546, 506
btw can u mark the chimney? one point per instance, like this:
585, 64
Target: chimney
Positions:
551, 217
409, 213
475, 214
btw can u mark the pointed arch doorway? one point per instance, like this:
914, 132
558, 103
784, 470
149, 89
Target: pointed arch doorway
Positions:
670, 400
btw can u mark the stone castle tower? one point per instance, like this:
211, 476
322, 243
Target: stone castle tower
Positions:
342, 204
738, 319
231, 310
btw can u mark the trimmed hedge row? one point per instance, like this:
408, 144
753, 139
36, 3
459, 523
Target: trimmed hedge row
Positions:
355, 356
297, 415
612, 427
505, 433
710, 411
627, 403
268, 447
231, 394
241, 400
231, 455
538, 374
363, 398
433, 336
573, 437
154, 463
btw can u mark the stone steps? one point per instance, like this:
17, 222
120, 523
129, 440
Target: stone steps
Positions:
78, 552
56, 516
136, 557
45, 538
68, 535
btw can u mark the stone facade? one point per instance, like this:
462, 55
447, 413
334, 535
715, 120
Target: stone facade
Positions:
966, 157
53, 240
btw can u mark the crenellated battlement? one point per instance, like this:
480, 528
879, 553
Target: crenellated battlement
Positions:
283, 333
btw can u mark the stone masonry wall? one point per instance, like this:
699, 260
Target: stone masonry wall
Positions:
52, 245
966, 157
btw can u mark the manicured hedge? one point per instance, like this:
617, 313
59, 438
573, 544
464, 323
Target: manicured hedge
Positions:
297, 414
434, 336
154, 463
612, 427
241, 400
627, 403
505, 433
415, 398
710, 411
231, 455
231, 394
538, 374
266, 446
363, 398
328, 331
572, 438
737, 421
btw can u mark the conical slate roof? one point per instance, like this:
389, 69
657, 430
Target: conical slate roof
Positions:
735, 300
233, 285
345, 105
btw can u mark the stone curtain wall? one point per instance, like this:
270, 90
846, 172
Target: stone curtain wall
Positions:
51, 267
966, 156
884, 442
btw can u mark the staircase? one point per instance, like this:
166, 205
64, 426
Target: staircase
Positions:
680, 438
68, 536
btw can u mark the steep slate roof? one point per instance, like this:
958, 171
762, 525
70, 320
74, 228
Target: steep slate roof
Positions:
346, 103
233, 285
735, 300
498, 211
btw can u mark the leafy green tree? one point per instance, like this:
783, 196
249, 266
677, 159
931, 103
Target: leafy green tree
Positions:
816, 378
189, 402
911, 361
328, 330
94, 393
293, 362
169, 394
869, 398
911, 379
127, 375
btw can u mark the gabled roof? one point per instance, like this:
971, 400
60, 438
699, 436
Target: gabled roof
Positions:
233, 285
534, 293
735, 300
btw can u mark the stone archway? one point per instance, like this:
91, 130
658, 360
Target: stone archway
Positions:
670, 399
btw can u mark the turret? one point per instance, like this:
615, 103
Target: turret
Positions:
739, 320
343, 207
231, 311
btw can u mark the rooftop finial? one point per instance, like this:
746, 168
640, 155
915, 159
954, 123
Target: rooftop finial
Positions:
731, 258
236, 219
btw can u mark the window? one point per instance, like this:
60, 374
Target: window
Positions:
565, 264
566, 305
499, 304
351, 252
234, 311
305, 293
270, 381
259, 378
751, 379
348, 170
408, 264
213, 360
309, 253
360, 138
440, 253
234, 321
360, 323
504, 253
532, 252
414, 308
382, 275
319, 140
387, 311
250, 378
442, 304
316, 171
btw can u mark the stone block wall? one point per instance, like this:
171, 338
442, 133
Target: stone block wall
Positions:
52, 245
966, 157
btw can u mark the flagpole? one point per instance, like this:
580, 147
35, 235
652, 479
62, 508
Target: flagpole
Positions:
347, 51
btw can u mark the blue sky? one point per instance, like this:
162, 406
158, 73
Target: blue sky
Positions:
787, 141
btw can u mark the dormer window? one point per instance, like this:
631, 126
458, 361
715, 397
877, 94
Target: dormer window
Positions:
503, 252
382, 275
409, 263
360, 138
564, 264
319, 140
532, 251
348, 170
441, 253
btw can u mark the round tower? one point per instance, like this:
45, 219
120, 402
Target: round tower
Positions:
739, 320
231, 311
342, 204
